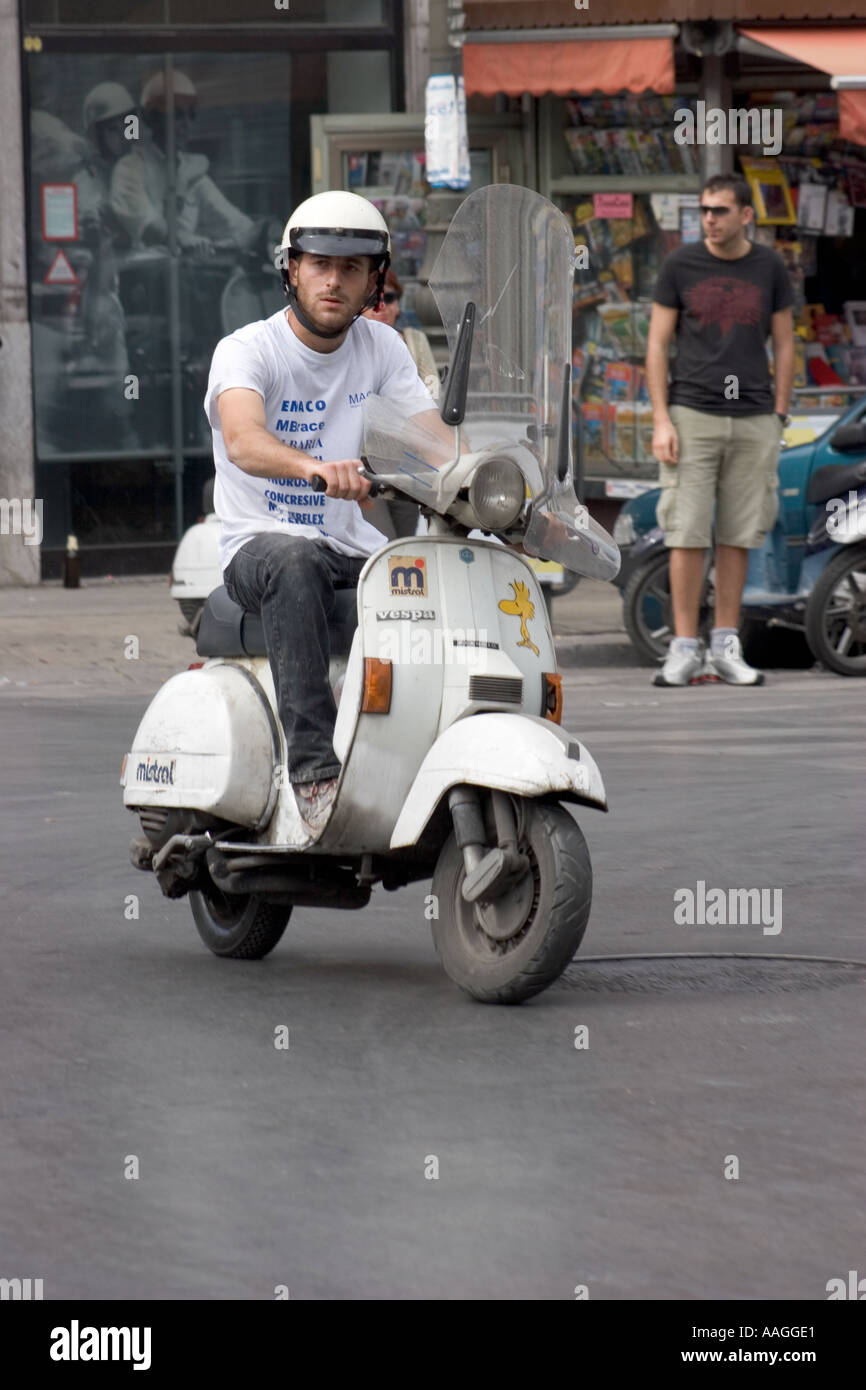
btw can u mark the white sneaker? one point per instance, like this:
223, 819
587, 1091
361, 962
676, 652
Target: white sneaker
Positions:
728, 665
681, 667
314, 801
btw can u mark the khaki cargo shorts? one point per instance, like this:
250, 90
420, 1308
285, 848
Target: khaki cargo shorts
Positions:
727, 463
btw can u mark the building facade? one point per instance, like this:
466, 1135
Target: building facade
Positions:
156, 147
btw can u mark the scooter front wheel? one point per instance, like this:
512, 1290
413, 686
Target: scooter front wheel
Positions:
506, 950
242, 928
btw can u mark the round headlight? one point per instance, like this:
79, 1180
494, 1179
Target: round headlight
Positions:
497, 493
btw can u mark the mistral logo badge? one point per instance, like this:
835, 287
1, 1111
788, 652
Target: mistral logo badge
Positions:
407, 576
152, 770
76, 1343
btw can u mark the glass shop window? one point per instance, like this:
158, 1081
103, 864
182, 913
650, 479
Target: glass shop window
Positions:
139, 264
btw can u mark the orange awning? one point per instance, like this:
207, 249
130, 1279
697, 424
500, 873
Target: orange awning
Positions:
577, 65
841, 52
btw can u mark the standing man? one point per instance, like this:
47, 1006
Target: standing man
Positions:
717, 442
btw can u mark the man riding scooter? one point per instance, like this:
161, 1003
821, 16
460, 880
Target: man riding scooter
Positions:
284, 403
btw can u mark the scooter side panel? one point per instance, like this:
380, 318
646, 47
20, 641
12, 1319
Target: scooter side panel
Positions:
205, 742
528, 757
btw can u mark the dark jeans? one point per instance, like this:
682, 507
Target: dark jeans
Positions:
291, 581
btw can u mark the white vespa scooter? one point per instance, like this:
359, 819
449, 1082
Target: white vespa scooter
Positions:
454, 761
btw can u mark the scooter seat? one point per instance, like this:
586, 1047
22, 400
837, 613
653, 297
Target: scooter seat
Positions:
834, 480
226, 629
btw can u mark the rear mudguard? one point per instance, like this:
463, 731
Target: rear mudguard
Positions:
208, 742
521, 754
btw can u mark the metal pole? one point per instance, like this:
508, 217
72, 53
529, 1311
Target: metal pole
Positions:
715, 89
174, 297
528, 108
19, 558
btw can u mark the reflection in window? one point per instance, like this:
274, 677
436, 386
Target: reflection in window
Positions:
126, 313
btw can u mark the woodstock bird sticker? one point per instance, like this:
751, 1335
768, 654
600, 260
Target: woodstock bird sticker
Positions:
522, 607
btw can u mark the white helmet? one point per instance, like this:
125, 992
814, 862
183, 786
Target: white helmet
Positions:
104, 101
153, 93
336, 224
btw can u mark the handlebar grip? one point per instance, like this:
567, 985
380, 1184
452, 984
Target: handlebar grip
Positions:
318, 484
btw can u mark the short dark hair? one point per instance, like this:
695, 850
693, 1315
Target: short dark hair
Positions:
735, 182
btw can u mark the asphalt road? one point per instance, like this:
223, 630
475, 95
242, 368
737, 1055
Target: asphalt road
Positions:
602, 1166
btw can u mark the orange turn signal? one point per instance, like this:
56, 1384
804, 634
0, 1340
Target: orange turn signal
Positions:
553, 696
377, 686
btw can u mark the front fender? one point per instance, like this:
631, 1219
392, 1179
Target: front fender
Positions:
515, 753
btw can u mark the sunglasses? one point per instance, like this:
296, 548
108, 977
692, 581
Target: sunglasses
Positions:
390, 298
709, 211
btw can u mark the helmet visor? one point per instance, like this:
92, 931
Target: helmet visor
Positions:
329, 241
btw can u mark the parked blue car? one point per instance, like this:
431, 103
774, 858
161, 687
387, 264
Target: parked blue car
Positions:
809, 576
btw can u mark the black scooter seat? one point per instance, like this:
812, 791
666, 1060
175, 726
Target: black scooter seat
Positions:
834, 480
226, 629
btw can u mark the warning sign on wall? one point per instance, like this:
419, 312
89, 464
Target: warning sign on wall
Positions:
59, 212
60, 272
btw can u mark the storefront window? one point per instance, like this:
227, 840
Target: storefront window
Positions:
346, 13
612, 304
630, 193
137, 270
394, 179
810, 207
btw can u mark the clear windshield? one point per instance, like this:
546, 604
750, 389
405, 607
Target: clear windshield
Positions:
510, 252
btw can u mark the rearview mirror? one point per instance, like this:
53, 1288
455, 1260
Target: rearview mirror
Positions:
849, 437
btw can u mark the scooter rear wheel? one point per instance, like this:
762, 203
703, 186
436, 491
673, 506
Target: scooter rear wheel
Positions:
505, 952
836, 614
241, 928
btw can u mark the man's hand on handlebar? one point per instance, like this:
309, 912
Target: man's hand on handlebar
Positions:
342, 479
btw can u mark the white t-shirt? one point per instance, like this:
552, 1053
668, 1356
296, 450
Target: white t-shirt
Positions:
313, 401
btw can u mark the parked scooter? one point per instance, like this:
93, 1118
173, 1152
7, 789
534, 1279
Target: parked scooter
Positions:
454, 761
808, 578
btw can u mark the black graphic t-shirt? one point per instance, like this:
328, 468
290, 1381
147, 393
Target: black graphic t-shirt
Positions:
725, 308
